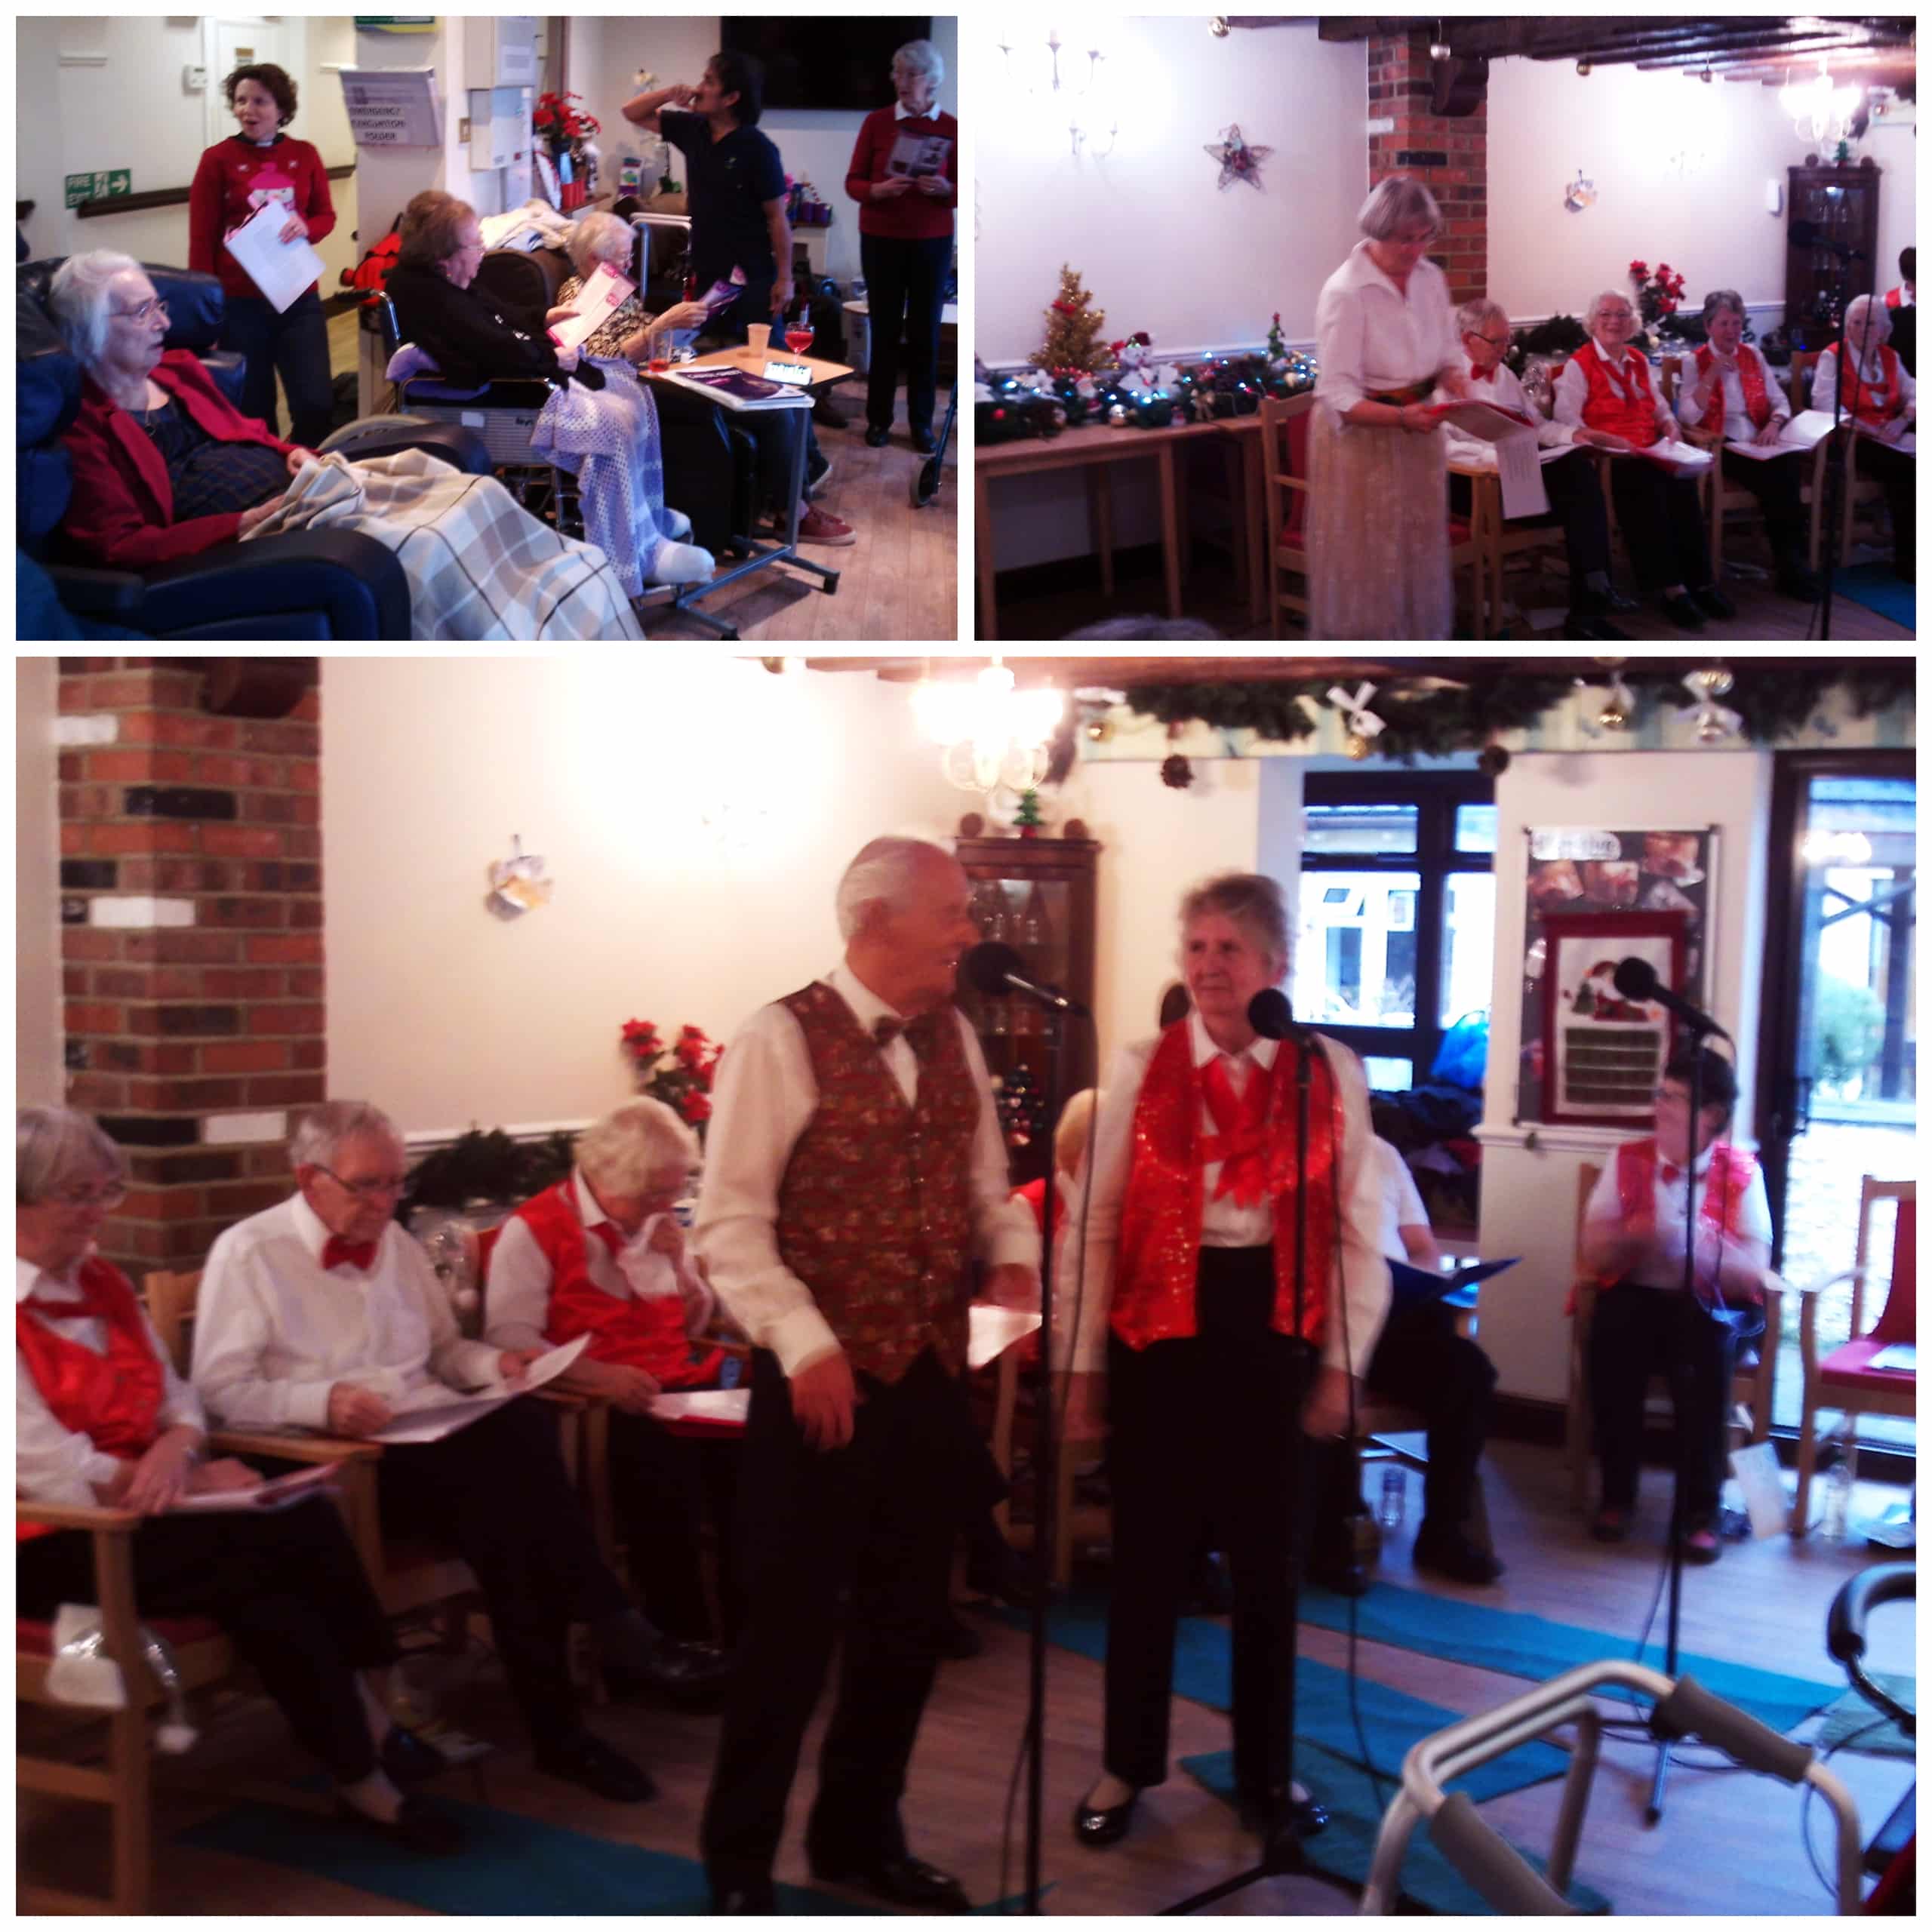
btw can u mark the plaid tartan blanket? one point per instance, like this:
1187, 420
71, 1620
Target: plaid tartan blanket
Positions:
480, 567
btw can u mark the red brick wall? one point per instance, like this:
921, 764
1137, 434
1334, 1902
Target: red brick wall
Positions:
1451, 155
210, 1004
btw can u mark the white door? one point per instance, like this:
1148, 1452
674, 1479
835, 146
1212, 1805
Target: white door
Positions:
238, 41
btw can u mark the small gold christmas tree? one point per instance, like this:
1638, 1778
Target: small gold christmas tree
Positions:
1073, 330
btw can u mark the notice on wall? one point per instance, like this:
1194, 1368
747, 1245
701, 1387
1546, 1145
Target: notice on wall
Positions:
393, 107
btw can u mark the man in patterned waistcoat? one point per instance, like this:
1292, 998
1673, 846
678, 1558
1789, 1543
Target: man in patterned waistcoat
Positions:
855, 1170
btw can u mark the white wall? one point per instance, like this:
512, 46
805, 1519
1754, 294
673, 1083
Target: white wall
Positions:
39, 1080
1529, 1192
1893, 145
609, 765
606, 51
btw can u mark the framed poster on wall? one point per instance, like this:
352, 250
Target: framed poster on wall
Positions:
1606, 1053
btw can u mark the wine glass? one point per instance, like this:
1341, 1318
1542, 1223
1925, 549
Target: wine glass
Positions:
798, 330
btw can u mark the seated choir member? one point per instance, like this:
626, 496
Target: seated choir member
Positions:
635, 1290
1606, 387
1645, 1325
1901, 307
322, 1313
1575, 497
101, 1419
1882, 399
1728, 388
1421, 1361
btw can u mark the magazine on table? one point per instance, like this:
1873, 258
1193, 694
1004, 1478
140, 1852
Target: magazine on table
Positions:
737, 388
272, 1493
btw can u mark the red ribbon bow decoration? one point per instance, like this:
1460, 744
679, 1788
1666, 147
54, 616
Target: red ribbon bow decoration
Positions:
1483, 375
1242, 1118
361, 1255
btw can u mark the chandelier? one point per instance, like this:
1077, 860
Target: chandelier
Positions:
1034, 72
1820, 112
988, 734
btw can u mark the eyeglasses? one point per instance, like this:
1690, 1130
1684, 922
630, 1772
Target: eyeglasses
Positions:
368, 1190
1669, 1096
1494, 342
107, 1199
155, 306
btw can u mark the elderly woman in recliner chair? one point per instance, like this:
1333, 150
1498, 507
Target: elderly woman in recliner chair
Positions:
166, 467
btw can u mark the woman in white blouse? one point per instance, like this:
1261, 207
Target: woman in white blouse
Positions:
1379, 517
101, 1419
1882, 400
1728, 389
1606, 387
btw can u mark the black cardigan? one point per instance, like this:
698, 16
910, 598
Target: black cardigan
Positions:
476, 338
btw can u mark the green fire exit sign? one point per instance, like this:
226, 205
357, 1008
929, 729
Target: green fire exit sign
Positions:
102, 184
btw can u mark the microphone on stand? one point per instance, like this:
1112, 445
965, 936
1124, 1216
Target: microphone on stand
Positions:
993, 969
1637, 979
1271, 1015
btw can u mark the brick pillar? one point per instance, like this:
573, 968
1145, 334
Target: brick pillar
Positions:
1451, 154
191, 942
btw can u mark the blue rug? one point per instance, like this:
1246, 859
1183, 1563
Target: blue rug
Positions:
1519, 1644
1874, 586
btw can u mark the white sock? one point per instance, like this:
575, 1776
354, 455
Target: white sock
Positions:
676, 524
681, 563
373, 1796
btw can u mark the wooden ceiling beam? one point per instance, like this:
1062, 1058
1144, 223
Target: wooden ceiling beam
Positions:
1620, 39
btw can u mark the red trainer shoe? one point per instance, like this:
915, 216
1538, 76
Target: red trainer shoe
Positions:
818, 526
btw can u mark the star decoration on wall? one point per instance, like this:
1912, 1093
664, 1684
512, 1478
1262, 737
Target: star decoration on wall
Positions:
1239, 162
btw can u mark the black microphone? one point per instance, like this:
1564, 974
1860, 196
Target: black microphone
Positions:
991, 968
1809, 234
1271, 1015
1637, 979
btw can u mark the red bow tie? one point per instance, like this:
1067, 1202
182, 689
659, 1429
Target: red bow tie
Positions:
361, 1255
921, 1033
1671, 1174
1484, 375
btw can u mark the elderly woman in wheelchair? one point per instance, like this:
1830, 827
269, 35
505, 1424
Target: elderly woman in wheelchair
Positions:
632, 333
598, 422
165, 467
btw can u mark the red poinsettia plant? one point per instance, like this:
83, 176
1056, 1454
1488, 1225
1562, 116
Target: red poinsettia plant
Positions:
560, 123
1658, 292
680, 1074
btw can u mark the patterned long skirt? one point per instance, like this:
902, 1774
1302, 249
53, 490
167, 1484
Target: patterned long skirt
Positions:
1379, 532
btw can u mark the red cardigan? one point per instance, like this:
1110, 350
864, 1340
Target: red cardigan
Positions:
909, 217
122, 513
234, 179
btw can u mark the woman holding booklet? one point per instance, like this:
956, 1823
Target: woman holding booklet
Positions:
101, 1419
1881, 399
630, 332
1606, 387
1379, 528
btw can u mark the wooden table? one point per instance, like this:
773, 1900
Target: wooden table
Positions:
752, 361
1094, 450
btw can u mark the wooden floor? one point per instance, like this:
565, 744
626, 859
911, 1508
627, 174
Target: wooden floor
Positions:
1728, 1844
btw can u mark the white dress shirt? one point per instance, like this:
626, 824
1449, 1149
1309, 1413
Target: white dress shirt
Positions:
900, 111
1825, 383
274, 1331
53, 1463
765, 1098
1400, 1198
1370, 335
517, 1307
1738, 426
1663, 1267
1086, 1284
1506, 392
1572, 389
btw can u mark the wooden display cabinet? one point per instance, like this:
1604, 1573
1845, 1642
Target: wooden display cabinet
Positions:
1036, 895
1843, 202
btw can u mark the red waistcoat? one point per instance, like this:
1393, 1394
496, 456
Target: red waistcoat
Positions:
1633, 415
113, 1399
1875, 405
641, 1331
1726, 1181
1750, 375
1160, 1229
876, 1210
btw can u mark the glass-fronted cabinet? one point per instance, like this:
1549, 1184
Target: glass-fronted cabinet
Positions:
1841, 205
1036, 895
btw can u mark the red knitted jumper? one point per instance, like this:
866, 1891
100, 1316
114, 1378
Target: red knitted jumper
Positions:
914, 217
234, 180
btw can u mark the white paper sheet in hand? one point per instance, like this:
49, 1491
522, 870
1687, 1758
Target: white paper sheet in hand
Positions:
1517, 469
595, 302
1803, 432
1680, 459
436, 1418
994, 1329
281, 270
708, 1404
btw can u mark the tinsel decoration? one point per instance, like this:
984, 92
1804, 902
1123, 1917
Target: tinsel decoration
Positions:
1178, 772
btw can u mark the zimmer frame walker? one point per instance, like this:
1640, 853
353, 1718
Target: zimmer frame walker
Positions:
1500, 1873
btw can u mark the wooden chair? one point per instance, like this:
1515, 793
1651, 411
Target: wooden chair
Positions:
1087, 1523
1498, 543
1750, 1419
1861, 493
1843, 1379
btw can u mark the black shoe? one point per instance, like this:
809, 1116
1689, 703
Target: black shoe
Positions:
1609, 599
742, 1898
1305, 1816
1582, 625
1683, 613
417, 1827
691, 1676
1709, 599
904, 1879
582, 1759
1449, 1553
1801, 581
1096, 1826
958, 1639
877, 439
406, 1759
925, 441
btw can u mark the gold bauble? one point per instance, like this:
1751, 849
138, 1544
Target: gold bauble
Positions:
1357, 747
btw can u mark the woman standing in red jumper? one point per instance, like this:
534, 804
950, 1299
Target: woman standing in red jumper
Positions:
261, 164
906, 237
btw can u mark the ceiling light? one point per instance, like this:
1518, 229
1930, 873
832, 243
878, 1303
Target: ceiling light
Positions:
989, 734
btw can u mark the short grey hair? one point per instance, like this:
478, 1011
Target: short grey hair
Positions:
634, 1143
600, 237
1475, 313
923, 58
1597, 301
882, 872
1877, 322
78, 297
1395, 203
320, 1134
1724, 298
53, 1147
1252, 901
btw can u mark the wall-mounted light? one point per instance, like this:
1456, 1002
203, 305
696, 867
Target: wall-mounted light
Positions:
1033, 72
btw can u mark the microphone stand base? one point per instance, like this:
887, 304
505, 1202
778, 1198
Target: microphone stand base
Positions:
1284, 1855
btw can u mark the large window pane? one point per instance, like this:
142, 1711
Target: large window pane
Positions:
1469, 944
1355, 959
1389, 1075
1358, 828
1476, 828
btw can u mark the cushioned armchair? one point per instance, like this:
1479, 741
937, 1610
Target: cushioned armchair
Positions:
320, 584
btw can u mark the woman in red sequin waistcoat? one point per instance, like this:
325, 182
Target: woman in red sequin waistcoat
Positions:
1180, 1276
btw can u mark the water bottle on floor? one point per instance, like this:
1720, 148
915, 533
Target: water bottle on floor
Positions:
1390, 1514
1836, 1522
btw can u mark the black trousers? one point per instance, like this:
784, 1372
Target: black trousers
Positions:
1776, 485
1897, 475
904, 282
663, 1486
1420, 1361
855, 1543
1207, 1429
1662, 524
1575, 503
498, 1490
775, 431
287, 1589
296, 342
1636, 1332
